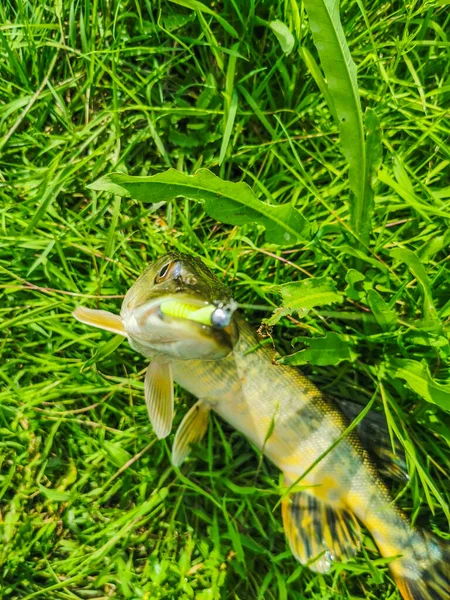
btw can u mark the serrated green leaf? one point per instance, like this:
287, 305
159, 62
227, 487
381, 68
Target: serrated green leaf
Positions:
385, 316
283, 35
418, 377
231, 203
301, 296
329, 350
277, 315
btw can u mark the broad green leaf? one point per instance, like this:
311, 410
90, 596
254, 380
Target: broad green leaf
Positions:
352, 277
231, 203
417, 269
340, 72
418, 377
384, 315
301, 296
329, 350
198, 6
277, 315
284, 36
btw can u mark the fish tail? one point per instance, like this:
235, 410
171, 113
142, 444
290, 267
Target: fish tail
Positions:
424, 574
420, 562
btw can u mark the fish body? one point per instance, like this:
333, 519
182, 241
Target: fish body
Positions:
254, 395
284, 415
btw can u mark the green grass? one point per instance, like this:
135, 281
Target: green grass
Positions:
90, 506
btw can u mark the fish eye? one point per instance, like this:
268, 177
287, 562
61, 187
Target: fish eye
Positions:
163, 273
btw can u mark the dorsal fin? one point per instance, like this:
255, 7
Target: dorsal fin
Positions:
318, 533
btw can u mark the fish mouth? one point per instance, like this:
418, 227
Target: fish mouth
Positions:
192, 316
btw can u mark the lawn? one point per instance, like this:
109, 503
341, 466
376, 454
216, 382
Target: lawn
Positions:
90, 506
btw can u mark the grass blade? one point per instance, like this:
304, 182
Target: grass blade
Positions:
316, 74
374, 155
228, 128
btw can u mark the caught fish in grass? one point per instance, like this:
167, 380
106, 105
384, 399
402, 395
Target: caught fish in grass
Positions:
184, 319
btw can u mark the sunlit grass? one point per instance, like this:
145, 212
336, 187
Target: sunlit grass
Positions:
90, 505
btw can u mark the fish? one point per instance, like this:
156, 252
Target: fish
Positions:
181, 317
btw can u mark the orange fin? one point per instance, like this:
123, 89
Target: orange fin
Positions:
425, 573
100, 318
318, 533
158, 391
191, 431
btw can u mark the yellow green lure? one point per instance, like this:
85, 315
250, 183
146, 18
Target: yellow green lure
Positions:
209, 314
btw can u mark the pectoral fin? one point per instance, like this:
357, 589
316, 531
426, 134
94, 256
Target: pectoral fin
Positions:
191, 431
158, 392
317, 533
99, 318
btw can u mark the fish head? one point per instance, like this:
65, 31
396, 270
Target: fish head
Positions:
179, 310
